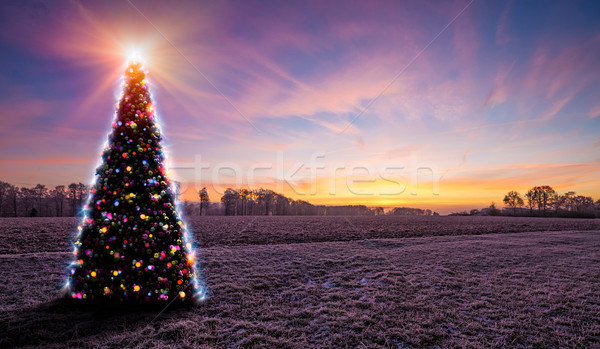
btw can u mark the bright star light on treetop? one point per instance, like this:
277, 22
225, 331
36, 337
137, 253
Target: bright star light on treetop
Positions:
134, 55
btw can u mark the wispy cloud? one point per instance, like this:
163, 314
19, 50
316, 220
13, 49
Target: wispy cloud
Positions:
501, 36
594, 112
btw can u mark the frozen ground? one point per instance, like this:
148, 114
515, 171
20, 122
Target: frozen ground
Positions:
26, 235
331, 282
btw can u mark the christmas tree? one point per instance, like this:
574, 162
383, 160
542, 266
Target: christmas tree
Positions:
131, 245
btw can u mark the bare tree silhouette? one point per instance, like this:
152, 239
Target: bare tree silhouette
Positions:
204, 200
513, 200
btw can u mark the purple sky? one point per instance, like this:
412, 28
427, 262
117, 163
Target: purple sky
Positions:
507, 97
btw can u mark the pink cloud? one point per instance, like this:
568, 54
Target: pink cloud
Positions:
594, 112
540, 57
499, 94
564, 73
524, 176
269, 90
557, 106
465, 38
501, 36
67, 160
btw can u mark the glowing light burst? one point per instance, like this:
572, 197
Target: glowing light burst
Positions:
107, 230
136, 55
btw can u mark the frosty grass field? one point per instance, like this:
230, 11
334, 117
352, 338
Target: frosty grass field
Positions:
331, 282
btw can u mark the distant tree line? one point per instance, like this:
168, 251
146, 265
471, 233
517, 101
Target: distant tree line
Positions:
541, 201
545, 201
41, 201
265, 202
407, 211
65, 201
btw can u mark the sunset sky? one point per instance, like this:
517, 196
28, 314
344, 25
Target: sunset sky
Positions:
483, 97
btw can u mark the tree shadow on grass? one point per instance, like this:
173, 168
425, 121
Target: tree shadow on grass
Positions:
64, 320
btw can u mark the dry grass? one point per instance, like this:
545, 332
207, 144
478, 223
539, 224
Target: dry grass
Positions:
27, 235
482, 291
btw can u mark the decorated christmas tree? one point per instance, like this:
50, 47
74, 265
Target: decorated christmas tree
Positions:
132, 245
